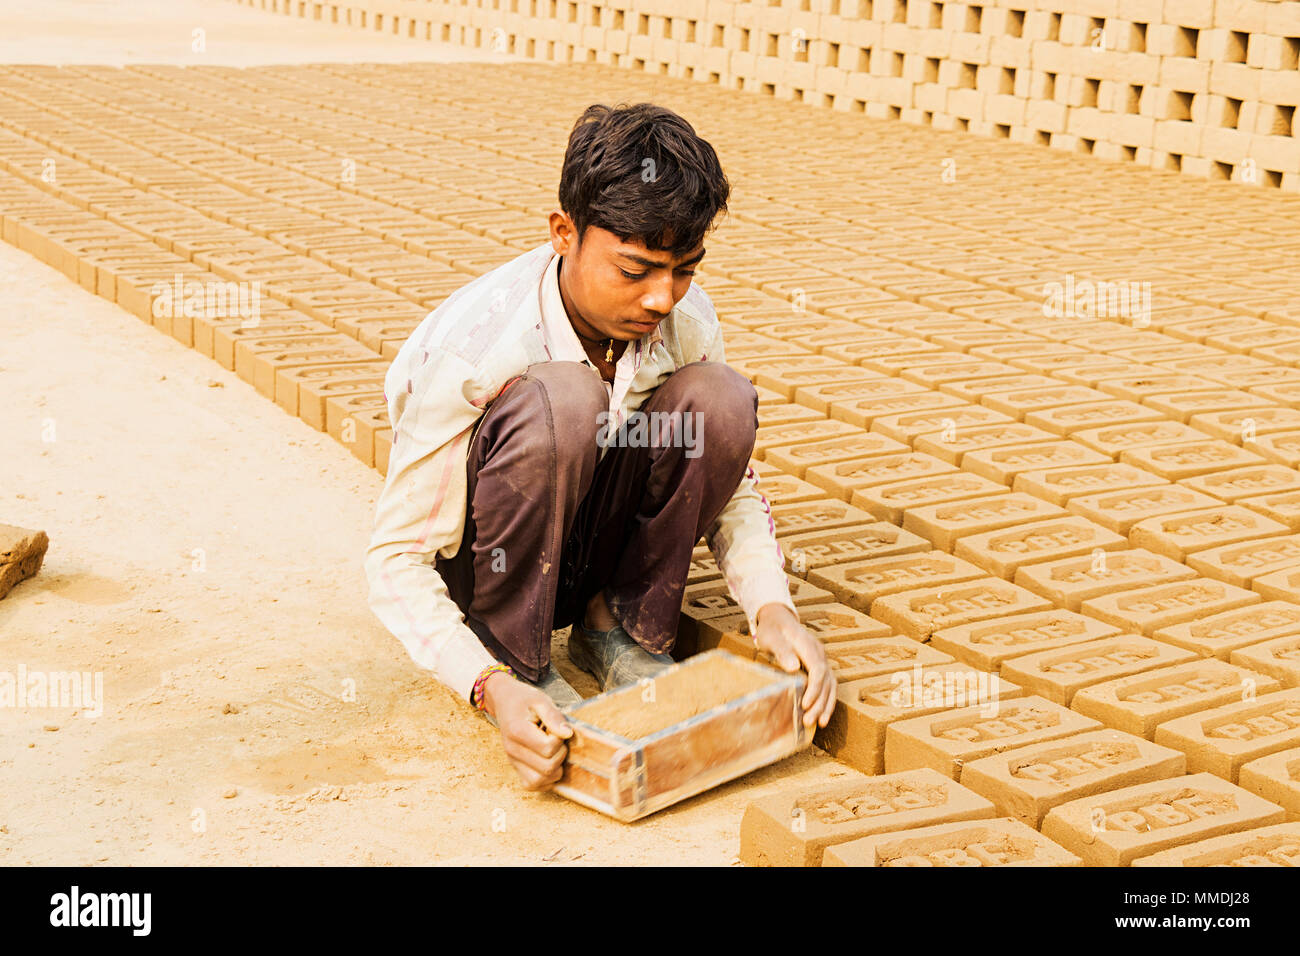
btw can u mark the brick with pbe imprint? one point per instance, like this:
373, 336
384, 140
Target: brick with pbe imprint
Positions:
1026, 782
1281, 585
1275, 777
1240, 424
1282, 447
1119, 511
713, 598
1181, 460
1067, 419
1238, 483
855, 733
1181, 406
851, 660
1116, 827
797, 459
1279, 658
813, 550
1242, 563
799, 433
1018, 404
950, 444
1061, 485
826, 397
786, 489
1137, 388
907, 426
796, 827
919, 613
972, 390
945, 523
892, 501
863, 412
948, 740
1139, 703
1060, 673
1004, 551
1220, 740
990, 644
1277, 845
1147, 610
1179, 534
1004, 464
1283, 508
998, 842
1071, 581
1114, 440
858, 583
1218, 635
847, 477
817, 515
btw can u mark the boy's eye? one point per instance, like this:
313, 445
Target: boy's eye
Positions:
632, 275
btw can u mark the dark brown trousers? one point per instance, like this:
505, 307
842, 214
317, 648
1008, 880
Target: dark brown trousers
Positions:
548, 525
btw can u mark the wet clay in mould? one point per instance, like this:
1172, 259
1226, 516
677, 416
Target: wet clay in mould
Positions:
679, 696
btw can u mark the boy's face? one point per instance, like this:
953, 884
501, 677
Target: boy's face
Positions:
617, 289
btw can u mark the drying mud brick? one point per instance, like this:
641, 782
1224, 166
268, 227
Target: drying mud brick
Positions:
1279, 585
973, 390
1221, 739
703, 566
1140, 703
1147, 610
818, 515
843, 479
950, 739
302, 391
844, 395
1062, 485
1278, 658
1283, 508
1241, 564
1027, 782
218, 340
858, 583
906, 427
950, 444
1003, 552
21, 553
1276, 778
836, 623
1114, 440
787, 489
943, 524
995, 843
852, 660
1181, 406
795, 829
919, 613
1117, 827
1231, 426
890, 502
864, 412
1238, 483
1220, 634
799, 434
713, 598
365, 425
1071, 581
855, 734
1284, 448
1119, 511
989, 644
822, 549
797, 459
1278, 845
1020, 403
1004, 464
1059, 674
1068, 419
1189, 459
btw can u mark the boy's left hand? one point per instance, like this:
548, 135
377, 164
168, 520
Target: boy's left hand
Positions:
789, 642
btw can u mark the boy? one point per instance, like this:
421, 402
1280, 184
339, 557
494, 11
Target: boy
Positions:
565, 431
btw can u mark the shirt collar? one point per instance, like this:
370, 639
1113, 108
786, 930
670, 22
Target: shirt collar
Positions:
556, 320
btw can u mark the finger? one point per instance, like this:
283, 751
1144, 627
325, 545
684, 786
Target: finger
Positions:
826, 703
817, 674
552, 719
522, 755
536, 739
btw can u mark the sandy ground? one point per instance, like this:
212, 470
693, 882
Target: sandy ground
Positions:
205, 556
114, 32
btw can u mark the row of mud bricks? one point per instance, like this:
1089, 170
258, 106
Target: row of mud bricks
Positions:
1053, 556
1205, 87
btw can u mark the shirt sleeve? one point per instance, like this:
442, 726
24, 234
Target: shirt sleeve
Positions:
433, 403
743, 540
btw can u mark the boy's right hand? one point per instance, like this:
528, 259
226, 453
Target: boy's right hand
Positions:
533, 731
